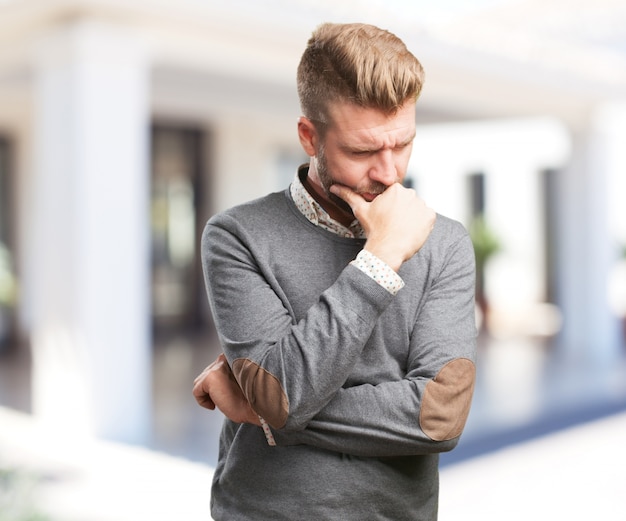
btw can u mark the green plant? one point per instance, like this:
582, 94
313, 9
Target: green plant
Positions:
485, 244
484, 240
17, 489
8, 284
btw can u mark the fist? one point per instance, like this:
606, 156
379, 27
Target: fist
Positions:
397, 222
217, 387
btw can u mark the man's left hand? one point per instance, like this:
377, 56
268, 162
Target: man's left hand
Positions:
217, 387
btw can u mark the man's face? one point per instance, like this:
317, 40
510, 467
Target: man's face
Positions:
364, 149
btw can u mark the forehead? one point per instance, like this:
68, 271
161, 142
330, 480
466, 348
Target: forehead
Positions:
361, 125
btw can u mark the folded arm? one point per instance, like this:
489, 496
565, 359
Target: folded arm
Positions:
426, 410
288, 369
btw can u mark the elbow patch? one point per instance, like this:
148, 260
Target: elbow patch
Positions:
446, 401
263, 391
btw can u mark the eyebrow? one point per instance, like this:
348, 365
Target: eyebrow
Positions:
357, 148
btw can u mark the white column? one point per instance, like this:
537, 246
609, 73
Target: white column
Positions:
586, 248
90, 264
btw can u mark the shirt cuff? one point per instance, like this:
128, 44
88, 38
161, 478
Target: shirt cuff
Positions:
378, 270
268, 432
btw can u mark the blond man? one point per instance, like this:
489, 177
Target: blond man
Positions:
345, 309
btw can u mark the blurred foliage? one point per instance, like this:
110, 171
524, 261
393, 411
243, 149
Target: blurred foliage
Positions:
17, 490
485, 242
8, 284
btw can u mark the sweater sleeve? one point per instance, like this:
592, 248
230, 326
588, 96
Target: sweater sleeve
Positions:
288, 370
425, 411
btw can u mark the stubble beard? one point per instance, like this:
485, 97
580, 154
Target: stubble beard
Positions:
327, 181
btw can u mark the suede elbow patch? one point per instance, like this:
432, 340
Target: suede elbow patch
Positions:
447, 399
263, 391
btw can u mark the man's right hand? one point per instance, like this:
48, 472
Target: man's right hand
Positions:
396, 223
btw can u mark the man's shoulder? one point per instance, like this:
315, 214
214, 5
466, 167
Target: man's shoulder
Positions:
447, 235
264, 208
449, 227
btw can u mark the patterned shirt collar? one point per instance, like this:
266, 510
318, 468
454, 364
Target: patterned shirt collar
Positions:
314, 212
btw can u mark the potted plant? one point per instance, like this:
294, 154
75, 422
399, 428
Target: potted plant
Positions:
486, 244
8, 294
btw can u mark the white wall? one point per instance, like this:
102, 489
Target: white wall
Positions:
512, 155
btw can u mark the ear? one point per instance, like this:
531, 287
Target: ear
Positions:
309, 138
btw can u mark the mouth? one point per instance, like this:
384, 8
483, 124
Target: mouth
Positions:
369, 197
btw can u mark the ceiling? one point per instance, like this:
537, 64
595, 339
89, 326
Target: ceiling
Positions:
483, 58
488, 58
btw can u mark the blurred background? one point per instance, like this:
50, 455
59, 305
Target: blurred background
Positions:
125, 125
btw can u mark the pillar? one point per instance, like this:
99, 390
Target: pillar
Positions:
90, 250
585, 246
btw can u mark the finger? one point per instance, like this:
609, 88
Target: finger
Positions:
348, 195
203, 398
206, 402
201, 375
202, 395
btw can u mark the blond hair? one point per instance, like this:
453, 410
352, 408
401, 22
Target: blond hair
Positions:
356, 63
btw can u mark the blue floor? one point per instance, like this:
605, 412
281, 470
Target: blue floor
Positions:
533, 389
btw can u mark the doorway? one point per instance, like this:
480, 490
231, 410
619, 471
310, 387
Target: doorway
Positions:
176, 209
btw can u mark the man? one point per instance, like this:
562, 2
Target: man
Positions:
345, 309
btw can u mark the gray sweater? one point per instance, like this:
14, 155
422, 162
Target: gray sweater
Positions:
362, 389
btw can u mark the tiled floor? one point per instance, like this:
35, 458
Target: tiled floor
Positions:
523, 390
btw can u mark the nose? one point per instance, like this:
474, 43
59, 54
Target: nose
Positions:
384, 168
